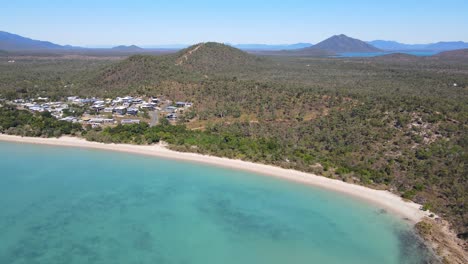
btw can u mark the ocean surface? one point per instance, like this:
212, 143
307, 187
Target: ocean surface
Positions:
70, 205
375, 54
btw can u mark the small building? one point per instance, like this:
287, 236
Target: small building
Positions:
127, 99
129, 121
71, 119
101, 120
108, 110
72, 98
98, 107
120, 110
132, 111
148, 106
171, 116
36, 109
183, 104
117, 100
170, 109
88, 100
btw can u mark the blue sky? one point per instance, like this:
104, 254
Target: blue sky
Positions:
146, 22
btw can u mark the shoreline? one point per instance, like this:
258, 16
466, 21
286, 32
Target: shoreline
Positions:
407, 210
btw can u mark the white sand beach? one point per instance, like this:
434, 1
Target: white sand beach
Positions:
385, 199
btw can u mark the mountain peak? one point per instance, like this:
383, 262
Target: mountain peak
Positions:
127, 48
210, 56
342, 43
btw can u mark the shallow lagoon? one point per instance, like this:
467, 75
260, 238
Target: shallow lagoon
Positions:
69, 205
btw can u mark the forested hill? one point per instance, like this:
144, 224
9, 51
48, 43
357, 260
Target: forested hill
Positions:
214, 57
461, 54
195, 63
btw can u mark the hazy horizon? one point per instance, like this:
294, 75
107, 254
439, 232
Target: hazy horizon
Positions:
153, 23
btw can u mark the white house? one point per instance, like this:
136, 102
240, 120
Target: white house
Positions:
129, 121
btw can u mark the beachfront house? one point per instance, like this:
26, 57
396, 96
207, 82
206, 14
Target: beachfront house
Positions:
120, 110
108, 110
127, 99
183, 104
72, 98
171, 116
117, 100
101, 120
132, 111
148, 106
71, 119
137, 100
170, 109
98, 107
129, 121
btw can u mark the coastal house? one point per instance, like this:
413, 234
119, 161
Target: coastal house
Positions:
127, 99
137, 101
108, 110
120, 110
171, 116
101, 120
117, 100
88, 100
132, 111
148, 106
71, 119
42, 98
37, 109
170, 109
129, 121
98, 107
183, 104
34, 107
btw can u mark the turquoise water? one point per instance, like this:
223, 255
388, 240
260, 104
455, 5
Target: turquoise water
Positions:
375, 54
68, 205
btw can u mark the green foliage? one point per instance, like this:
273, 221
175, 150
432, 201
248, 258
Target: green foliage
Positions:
24, 123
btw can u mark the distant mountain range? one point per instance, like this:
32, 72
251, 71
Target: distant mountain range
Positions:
271, 47
9, 41
333, 45
127, 48
439, 46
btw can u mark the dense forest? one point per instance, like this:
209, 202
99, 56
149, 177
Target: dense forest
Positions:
396, 123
